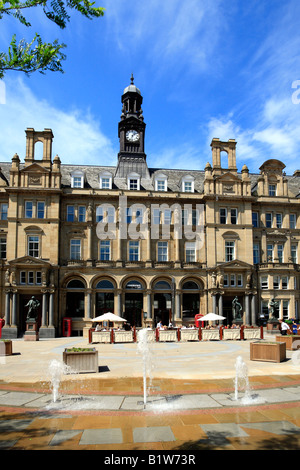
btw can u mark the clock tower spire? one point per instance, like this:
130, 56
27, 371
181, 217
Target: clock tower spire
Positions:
131, 131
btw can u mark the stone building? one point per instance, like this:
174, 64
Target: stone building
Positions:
148, 244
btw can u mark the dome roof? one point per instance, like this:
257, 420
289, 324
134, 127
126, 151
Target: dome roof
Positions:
131, 88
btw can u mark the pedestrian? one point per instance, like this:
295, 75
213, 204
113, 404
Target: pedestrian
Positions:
284, 327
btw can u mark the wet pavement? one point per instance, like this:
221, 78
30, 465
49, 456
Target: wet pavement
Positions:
191, 402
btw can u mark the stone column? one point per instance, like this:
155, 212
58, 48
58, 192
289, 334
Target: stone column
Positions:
119, 303
253, 312
44, 309
220, 304
214, 303
7, 308
90, 244
88, 304
149, 305
14, 309
51, 309
247, 308
177, 306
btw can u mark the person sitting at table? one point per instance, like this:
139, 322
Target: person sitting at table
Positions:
98, 327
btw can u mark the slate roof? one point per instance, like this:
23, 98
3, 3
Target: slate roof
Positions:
174, 178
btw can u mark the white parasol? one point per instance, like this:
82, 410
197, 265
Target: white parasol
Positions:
109, 316
211, 317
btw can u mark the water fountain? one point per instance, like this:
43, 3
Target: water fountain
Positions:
56, 370
242, 380
144, 349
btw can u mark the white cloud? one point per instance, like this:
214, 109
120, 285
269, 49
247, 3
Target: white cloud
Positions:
168, 32
275, 134
78, 138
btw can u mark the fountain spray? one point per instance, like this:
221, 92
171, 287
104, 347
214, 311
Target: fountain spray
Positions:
144, 350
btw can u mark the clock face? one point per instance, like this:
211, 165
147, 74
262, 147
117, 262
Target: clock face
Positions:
132, 136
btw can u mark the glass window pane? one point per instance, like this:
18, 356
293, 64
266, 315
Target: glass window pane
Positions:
40, 210
33, 246
133, 251
162, 251
4, 210
190, 252
28, 209
223, 216
75, 250
105, 284
105, 250
2, 248
81, 213
70, 213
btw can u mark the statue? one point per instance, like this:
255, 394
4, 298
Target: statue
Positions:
90, 213
237, 309
33, 305
273, 308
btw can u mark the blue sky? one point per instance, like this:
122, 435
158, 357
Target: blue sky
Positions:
221, 68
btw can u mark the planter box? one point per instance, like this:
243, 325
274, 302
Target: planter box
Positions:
189, 334
81, 361
231, 333
211, 334
253, 333
292, 342
269, 352
123, 336
168, 335
5, 347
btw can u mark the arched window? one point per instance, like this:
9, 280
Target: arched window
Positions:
190, 285
105, 284
133, 285
162, 285
75, 284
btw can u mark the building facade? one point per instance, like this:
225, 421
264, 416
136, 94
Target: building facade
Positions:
147, 244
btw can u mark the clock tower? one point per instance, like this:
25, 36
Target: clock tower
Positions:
131, 131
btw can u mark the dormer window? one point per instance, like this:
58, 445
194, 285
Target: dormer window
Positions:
106, 180
133, 182
77, 179
161, 182
187, 184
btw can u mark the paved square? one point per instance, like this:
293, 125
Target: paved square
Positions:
153, 434
101, 436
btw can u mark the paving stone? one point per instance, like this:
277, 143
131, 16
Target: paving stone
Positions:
218, 434
153, 434
18, 398
275, 427
277, 395
63, 436
224, 429
101, 436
